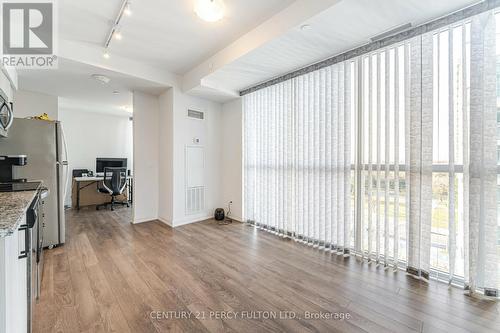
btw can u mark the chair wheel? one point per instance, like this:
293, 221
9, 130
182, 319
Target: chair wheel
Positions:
128, 206
96, 207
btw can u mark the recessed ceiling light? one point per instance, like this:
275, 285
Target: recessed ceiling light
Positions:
105, 54
305, 27
209, 10
127, 11
116, 92
101, 78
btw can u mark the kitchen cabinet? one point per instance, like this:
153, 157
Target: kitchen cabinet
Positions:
13, 282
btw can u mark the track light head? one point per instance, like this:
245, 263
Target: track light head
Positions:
127, 11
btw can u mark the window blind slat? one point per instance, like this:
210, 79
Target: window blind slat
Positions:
451, 154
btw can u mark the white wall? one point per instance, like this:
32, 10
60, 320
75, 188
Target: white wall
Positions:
232, 157
208, 131
146, 155
166, 154
162, 131
29, 104
90, 135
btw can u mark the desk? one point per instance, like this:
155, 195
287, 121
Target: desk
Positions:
94, 180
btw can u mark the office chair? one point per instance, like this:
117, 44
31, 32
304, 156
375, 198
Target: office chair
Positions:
115, 180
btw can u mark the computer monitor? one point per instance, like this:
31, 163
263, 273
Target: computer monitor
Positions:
101, 163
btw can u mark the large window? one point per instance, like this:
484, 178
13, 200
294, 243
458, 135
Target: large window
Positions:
387, 155
384, 127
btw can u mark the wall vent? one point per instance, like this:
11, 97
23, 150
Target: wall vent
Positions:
196, 114
195, 179
195, 200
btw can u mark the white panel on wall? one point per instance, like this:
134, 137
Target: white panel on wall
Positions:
195, 166
195, 182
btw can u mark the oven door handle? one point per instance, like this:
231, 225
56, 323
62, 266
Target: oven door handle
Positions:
24, 254
11, 116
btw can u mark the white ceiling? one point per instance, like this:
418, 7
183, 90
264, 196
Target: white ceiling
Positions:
344, 26
72, 81
166, 35
78, 105
163, 33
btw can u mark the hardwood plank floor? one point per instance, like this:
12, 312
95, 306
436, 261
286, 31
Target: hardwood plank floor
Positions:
112, 276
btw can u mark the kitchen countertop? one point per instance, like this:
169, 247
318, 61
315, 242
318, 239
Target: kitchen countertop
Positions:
13, 206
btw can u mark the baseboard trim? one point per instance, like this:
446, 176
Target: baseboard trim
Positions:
189, 220
144, 220
237, 219
165, 221
181, 222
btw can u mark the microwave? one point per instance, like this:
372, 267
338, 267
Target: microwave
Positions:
6, 116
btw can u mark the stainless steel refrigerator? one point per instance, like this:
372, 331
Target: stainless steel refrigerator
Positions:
44, 145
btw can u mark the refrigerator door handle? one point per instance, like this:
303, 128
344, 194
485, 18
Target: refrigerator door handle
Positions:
65, 162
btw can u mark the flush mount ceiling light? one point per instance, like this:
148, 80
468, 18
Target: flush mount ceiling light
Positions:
209, 10
101, 78
305, 27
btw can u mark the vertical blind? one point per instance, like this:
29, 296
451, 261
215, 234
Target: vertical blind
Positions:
390, 156
298, 157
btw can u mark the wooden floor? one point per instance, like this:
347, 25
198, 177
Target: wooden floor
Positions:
112, 276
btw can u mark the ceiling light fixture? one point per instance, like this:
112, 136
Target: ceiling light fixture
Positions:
101, 78
209, 10
115, 31
305, 27
118, 34
127, 11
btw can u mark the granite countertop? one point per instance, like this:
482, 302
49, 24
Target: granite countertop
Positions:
13, 206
